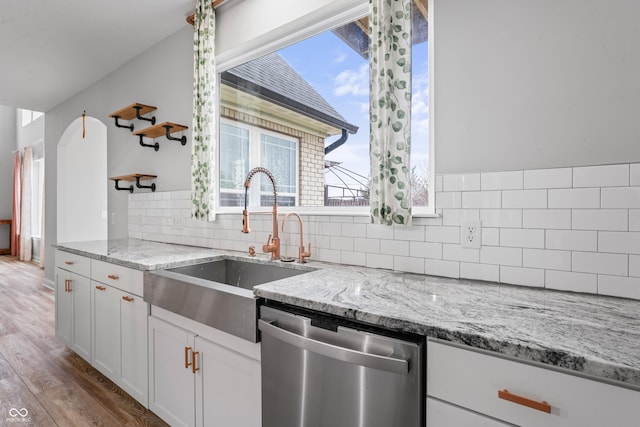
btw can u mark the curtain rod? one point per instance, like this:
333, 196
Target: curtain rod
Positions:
214, 4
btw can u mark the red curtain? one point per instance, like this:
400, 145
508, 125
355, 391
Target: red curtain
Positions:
17, 198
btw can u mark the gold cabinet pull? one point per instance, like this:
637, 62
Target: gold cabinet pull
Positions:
113, 277
67, 285
187, 363
69, 262
529, 403
127, 298
193, 361
101, 288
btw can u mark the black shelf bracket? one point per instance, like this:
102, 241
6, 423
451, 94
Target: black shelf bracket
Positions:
155, 146
130, 127
152, 186
183, 139
129, 188
139, 117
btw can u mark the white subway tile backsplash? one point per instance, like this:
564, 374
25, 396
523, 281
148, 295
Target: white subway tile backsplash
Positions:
425, 250
501, 218
621, 197
548, 178
378, 231
522, 199
380, 261
354, 258
601, 176
634, 219
634, 265
634, 179
458, 253
547, 259
413, 232
543, 218
342, 243
522, 238
366, 245
489, 273
628, 287
569, 281
437, 267
600, 263
600, 219
533, 277
619, 242
450, 199
354, 230
443, 234
572, 240
456, 216
501, 256
482, 199
501, 180
461, 182
439, 183
575, 198
408, 264
490, 236
331, 255
394, 247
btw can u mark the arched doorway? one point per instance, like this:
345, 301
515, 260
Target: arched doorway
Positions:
82, 182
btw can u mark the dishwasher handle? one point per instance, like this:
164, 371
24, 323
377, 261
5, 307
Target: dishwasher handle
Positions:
369, 360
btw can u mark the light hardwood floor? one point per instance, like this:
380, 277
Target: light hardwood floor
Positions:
38, 373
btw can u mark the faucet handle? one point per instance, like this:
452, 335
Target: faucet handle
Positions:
304, 254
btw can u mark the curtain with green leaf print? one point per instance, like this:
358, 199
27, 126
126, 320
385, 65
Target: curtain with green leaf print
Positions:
204, 102
390, 111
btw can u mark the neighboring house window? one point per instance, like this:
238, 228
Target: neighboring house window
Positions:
28, 116
243, 147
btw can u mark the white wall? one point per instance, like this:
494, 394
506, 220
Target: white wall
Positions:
7, 145
535, 84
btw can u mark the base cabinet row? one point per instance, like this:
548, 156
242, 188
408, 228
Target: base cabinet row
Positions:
194, 381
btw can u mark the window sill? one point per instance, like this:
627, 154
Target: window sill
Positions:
321, 211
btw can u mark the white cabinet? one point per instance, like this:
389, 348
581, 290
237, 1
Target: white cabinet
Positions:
441, 414
73, 303
119, 328
524, 394
199, 376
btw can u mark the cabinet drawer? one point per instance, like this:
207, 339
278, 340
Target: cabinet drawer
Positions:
124, 278
441, 414
74, 263
472, 380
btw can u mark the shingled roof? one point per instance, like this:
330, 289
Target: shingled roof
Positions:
271, 78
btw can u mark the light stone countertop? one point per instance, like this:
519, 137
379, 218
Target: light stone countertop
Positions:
595, 335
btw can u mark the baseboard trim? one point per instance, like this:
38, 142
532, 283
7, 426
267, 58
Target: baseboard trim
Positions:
49, 283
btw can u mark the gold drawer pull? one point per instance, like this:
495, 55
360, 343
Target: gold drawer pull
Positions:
113, 277
193, 361
186, 357
533, 404
69, 262
127, 298
101, 288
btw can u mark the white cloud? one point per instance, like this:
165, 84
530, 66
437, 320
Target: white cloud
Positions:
340, 58
352, 82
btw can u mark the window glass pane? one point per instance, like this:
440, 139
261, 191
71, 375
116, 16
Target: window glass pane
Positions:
234, 156
280, 157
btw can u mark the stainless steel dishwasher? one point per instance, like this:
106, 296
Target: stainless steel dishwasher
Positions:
322, 371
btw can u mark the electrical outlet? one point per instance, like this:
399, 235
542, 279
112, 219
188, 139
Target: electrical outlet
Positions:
470, 234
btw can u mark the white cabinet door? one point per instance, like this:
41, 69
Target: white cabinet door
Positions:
227, 387
171, 381
106, 329
441, 414
64, 313
134, 372
80, 291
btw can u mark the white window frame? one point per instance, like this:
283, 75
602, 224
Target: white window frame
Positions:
254, 160
297, 31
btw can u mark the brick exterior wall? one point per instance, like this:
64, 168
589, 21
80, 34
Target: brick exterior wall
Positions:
311, 155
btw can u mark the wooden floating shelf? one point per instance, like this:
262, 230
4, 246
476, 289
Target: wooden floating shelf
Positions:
133, 111
137, 177
162, 129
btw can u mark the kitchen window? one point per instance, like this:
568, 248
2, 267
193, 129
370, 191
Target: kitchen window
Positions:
243, 147
312, 86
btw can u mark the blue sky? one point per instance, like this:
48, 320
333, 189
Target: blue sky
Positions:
341, 76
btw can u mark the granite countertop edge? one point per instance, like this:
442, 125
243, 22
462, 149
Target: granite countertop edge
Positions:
288, 291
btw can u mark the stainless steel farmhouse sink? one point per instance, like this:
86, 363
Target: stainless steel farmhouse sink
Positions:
217, 293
